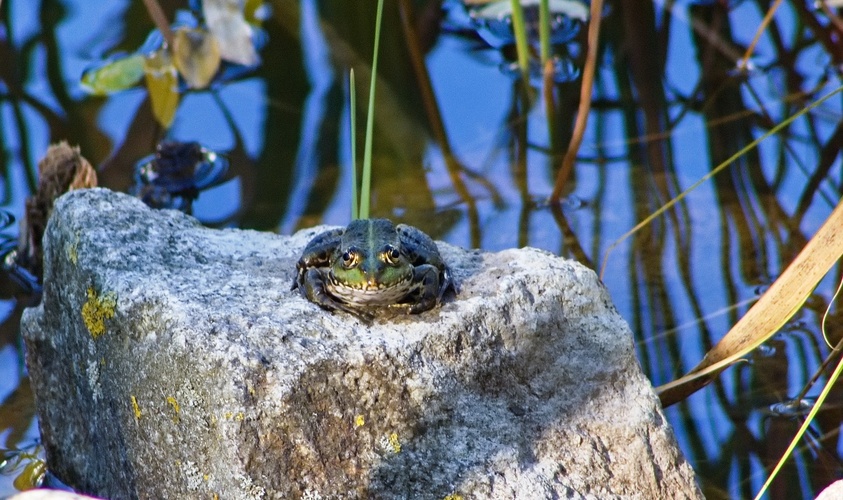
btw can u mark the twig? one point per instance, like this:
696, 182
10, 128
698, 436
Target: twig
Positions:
831, 16
160, 20
742, 65
585, 102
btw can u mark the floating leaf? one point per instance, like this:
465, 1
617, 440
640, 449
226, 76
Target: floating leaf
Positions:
113, 75
784, 297
162, 81
196, 54
226, 22
32, 475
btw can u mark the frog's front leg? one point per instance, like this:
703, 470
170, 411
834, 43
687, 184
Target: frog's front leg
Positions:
317, 253
426, 278
312, 285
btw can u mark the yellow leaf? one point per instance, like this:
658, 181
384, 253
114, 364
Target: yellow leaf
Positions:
196, 54
32, 475
162, 81
778, 304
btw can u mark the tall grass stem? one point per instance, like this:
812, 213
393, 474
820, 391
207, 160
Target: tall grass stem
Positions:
370, 122
352, 116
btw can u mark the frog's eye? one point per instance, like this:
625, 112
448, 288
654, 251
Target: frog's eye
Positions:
391, 254
349, 258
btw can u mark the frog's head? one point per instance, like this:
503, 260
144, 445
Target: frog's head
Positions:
370, 257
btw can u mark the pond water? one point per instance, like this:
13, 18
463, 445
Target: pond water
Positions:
668, 107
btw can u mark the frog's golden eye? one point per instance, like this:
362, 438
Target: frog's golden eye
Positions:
391, 254
349, 258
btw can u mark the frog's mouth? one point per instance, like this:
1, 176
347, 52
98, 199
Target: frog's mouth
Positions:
364, 293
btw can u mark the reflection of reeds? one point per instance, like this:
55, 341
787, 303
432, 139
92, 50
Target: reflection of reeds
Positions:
756, 215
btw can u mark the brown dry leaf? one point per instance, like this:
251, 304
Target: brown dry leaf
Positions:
226, 22
162, 81
778, 304
62, 169
196, 54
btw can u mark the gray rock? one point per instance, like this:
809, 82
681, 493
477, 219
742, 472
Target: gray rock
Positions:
173, 361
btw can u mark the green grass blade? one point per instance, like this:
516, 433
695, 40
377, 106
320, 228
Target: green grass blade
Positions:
355, 212
544, 30
810, 418
370, 122
520, 30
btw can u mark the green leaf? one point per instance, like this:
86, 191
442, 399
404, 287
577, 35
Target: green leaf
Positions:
162, 81
114, 75
196, 54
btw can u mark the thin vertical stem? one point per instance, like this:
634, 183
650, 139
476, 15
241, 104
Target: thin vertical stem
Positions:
352, 115
370, 122
519, 28
544, 30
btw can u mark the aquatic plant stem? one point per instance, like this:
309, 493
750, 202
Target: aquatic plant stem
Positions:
157, 14
519, 28
431, 108
352, 97
370, 122
544, 31
585, 102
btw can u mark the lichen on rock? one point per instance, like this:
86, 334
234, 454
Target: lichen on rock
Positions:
524, 385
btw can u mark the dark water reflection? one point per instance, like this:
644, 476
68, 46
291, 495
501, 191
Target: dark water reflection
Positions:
473, 166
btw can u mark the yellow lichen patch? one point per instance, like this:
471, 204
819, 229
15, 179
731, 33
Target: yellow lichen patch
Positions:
136, 408
394, 444
96, 310
70, 249
176, 407
239, 416
359, 421
453, 496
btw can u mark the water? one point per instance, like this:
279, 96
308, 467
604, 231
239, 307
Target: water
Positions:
668, 106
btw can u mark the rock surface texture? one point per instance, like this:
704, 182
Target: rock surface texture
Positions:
173, 361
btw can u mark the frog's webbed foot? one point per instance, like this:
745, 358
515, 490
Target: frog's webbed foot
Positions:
311, 283
447, 282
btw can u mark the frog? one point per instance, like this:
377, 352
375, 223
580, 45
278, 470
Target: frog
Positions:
371, 264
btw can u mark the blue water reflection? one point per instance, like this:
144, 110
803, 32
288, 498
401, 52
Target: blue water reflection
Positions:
681, 283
